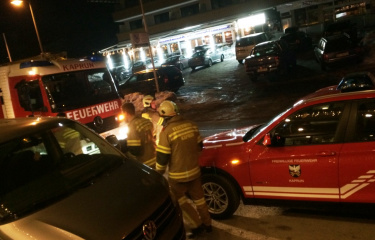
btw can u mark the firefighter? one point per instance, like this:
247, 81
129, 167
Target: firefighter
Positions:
178, 150
140, 142
149, 112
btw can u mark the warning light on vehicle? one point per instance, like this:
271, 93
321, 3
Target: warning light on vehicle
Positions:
235, 162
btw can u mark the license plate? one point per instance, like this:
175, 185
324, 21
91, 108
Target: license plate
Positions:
262, 69
342, 54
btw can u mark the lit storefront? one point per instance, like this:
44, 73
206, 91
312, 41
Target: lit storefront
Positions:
185, 43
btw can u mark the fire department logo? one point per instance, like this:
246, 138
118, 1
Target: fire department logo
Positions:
149, 230
295, 170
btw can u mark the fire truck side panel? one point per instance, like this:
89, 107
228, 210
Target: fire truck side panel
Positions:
295, 173
99, 112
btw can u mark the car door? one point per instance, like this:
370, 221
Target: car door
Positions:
357, 159
142, 82
302, 162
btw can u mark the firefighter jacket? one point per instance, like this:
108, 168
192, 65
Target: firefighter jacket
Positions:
179, 147
140, 141
155, 118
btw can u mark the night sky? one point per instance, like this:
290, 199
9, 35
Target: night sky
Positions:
75, 26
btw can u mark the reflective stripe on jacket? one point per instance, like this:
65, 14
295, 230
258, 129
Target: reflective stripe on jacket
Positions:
141, 142
179, 149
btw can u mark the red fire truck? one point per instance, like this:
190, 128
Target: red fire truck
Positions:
80, 89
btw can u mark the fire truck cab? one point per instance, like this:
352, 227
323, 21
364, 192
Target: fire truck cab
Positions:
80, 89
319, 152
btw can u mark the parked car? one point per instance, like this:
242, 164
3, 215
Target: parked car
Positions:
169, 79
318, 151
269, 57
337, 49
245, 44
120, 74
298, 41
341, 27
179, 61
61, 180
201, 47
356, 81
206, 57
146, 64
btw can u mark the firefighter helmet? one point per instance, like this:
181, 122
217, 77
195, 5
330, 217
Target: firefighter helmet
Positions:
168, 109
147, 100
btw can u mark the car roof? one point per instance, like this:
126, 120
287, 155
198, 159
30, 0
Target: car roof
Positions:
253, 35
335, 37
17, 127
331, 96
355, 74
267, 42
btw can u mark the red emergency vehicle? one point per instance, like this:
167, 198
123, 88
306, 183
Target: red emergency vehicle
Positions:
80, 89
320, 150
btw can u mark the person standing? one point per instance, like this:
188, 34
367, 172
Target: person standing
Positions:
149, 112
140, 142
178, 150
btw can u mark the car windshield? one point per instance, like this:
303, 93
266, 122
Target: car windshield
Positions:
72, 90
265, 49
261, 127
172, 59
41, 167
198, 54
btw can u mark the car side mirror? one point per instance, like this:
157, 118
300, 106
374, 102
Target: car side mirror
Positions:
273, 140
112, 139
267, 140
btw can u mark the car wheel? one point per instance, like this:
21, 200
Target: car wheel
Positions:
221, 196
222, 58
240, 61
209, 63
193, 68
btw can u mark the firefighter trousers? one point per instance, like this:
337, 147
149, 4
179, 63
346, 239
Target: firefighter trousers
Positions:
188, 193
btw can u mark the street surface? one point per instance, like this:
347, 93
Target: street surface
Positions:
222, 97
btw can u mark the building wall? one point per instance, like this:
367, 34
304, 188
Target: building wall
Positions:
206, 14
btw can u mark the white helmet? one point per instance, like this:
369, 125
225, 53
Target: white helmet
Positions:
147, 100
168, 109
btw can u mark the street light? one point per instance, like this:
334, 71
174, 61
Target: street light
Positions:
19, 3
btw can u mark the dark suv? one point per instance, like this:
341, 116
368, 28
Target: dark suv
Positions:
269, 57
169, 79
60, 180
337, 49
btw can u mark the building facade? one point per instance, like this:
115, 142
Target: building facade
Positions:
177, 27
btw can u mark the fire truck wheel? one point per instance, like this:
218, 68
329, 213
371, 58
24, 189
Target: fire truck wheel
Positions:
221, 196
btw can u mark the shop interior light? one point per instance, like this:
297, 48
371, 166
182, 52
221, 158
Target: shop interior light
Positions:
125, 58
189, 28
143, 54
252, 21
109, 61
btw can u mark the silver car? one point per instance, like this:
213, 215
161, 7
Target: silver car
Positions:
205, 57
60, 180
